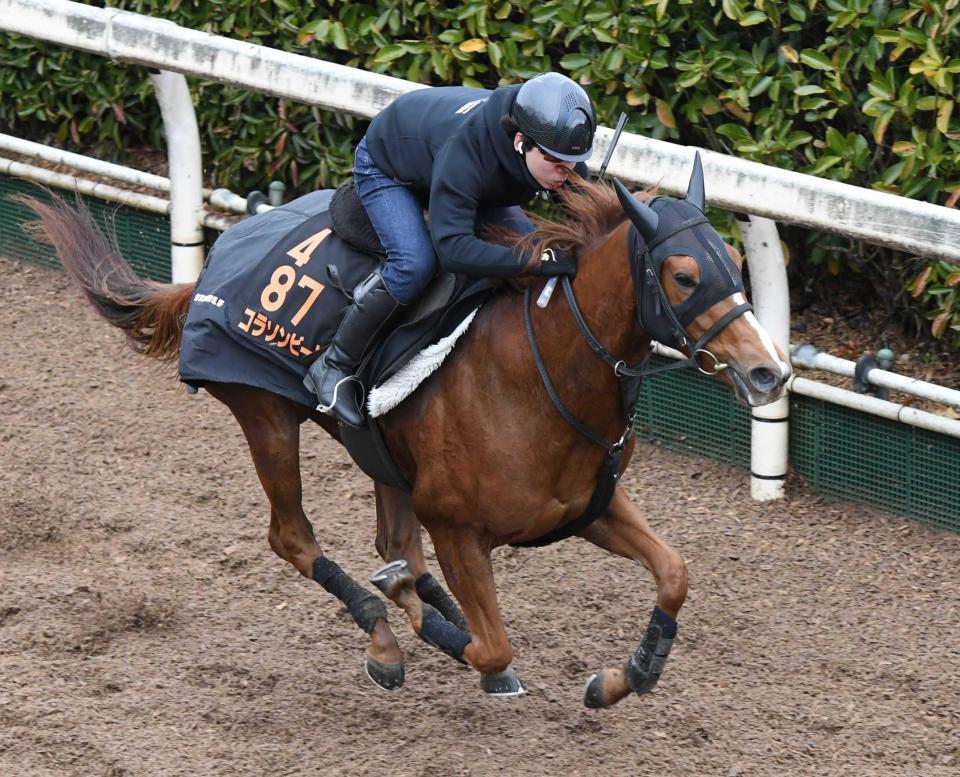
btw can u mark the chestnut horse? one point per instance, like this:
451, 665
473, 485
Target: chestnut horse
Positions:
503, 443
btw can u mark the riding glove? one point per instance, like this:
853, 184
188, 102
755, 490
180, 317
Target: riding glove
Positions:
555, 261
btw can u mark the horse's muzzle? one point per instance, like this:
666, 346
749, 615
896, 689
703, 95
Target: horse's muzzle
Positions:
760, 385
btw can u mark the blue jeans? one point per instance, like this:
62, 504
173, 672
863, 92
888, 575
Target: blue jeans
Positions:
396, 213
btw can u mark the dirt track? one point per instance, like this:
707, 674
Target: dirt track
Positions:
147, 629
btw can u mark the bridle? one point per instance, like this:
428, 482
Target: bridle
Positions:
628, 378
663, 318
643, 271
666, 227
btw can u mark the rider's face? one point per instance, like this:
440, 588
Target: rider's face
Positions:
548, 171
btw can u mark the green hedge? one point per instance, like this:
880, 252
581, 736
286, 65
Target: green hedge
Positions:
855, 90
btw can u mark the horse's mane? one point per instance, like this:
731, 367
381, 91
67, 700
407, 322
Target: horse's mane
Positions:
589, 211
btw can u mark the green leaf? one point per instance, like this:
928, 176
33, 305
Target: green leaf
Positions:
813, 103
732, 9
339, 36
736, 132
806, 89
390, 53
825, 163
603, 36
881, 124
451, 36
495, 54
687, 80
761, 86
881, 89
574, 61
752, 19
815, 59
795, 139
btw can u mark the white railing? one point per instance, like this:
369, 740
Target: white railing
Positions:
735, 184
732, 183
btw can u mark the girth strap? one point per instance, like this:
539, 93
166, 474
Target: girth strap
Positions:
607, 479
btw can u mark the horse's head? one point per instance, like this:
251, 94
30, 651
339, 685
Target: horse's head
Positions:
690, 293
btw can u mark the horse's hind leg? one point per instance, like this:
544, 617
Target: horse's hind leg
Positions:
399, 538
271, 425
624, 531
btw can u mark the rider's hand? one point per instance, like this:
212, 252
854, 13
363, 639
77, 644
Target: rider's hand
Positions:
556, 261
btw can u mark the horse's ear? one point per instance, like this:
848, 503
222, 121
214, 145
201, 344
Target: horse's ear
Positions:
642, 216
695, 192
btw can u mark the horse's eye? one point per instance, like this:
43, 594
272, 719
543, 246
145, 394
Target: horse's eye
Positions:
685, 280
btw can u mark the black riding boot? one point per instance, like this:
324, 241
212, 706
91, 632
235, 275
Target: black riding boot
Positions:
331, 377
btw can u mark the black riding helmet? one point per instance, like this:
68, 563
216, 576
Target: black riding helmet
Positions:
557, 115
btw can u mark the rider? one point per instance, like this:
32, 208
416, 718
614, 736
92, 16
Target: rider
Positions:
474, 155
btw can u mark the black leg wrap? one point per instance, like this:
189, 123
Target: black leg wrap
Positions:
432, 593
443, 635
644, 667
363, 605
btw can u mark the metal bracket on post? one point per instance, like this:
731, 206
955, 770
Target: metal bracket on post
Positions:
186, 175
769, 435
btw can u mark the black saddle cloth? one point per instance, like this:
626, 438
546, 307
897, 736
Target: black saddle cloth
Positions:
274, 287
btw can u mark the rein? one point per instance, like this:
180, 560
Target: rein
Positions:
609, 472
629, 378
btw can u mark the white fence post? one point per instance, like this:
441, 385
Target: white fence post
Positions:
769, 428
186, 175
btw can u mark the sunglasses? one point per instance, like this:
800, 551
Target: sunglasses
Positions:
550, 157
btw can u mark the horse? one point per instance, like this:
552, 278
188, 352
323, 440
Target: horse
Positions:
504, 443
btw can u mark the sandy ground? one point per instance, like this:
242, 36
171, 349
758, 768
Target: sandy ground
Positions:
146, 628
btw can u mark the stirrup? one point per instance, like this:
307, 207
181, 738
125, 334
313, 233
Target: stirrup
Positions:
328, 409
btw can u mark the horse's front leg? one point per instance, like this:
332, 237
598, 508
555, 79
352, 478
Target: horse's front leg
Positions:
399, 543
465, 560
623, 530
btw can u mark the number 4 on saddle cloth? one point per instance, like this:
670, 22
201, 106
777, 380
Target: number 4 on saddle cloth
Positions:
271, 294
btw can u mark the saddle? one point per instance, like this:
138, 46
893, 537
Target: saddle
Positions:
271, 294
448, 300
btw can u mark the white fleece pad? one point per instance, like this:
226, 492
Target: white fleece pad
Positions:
387, 396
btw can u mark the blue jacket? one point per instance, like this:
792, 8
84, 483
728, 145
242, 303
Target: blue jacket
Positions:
447, 143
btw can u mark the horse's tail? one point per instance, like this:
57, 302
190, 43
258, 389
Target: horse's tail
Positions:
150, 314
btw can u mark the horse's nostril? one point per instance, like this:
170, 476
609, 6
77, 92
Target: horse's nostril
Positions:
763, 379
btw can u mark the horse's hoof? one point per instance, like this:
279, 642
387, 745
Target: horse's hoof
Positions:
505, 684
593, 696
386, 676
604, 689
391, 578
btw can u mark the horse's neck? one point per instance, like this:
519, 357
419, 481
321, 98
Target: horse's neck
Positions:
605, 295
